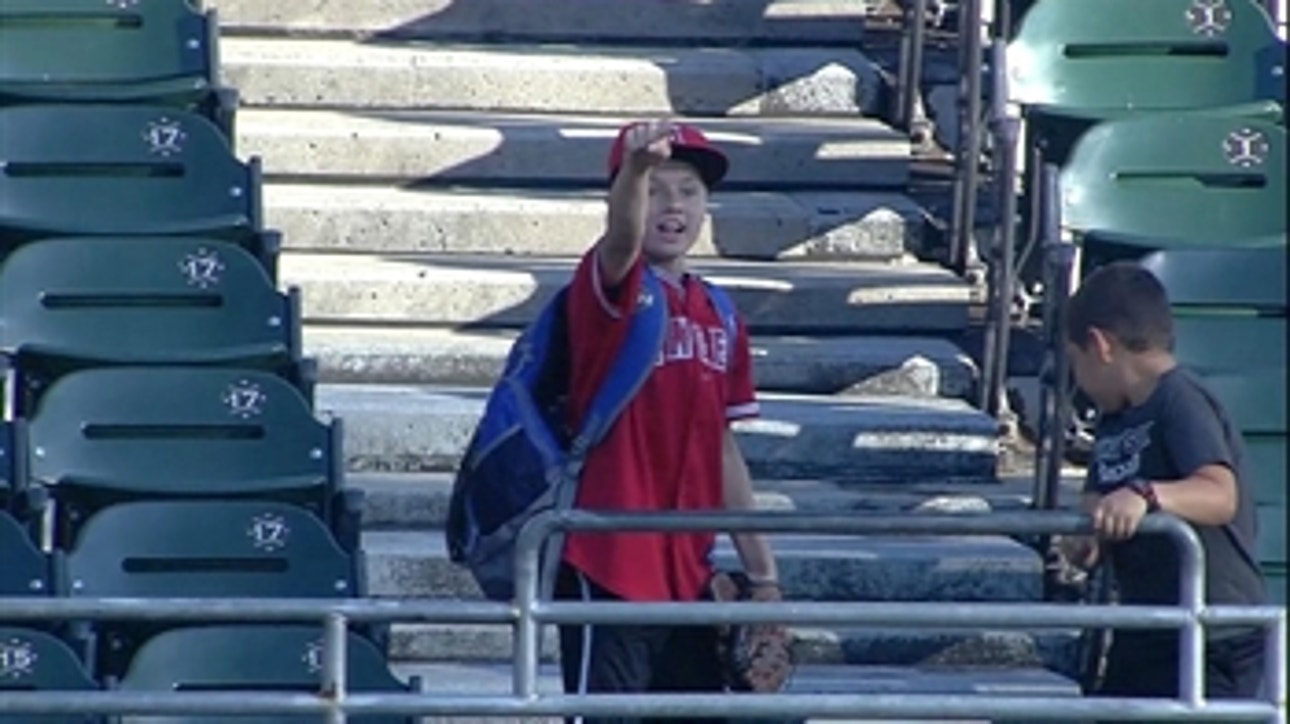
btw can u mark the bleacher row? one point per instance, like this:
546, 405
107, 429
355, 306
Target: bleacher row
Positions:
159, 436
1166, 121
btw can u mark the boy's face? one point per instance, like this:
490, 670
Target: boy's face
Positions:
678, 201
1096, 366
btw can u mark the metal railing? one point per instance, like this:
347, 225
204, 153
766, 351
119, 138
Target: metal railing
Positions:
528, 614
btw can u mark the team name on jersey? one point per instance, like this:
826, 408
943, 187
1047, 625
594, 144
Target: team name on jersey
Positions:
687, 340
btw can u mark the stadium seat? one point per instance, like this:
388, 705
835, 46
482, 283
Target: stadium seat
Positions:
113, 52
26, 571
108, 170
255, 658
33, 660
1177, 180
107, 435
74, 302
205, 549
1075, 62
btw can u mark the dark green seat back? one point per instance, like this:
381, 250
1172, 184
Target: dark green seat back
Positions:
141, 300
212, 549
253, 658
1178, 178
1255, 398
1272, 533
1102, 56
181, 431
108, 51
1215, 343
24, 569
1218, 277
1276, 578
8, 475
1265, 464
121, 169
32, 660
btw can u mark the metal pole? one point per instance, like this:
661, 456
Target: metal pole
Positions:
969, 148
911, 63
1004, 129
334, 659
1061, 257
1275, 673
528, 630
1191, 596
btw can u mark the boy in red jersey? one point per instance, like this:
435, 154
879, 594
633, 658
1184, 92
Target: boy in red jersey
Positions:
672, 447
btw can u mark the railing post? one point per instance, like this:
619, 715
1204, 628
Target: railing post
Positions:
1059, 262
1191, 596
968, 157
335, 656
909, 84
528, 629
1274, 676
1004, 128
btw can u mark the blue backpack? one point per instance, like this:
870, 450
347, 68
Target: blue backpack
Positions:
521, 461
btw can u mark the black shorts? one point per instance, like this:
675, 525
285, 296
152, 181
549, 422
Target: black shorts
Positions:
631, 658
1147, 666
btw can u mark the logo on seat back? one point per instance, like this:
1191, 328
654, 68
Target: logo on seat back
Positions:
1209, 17
165, 137
17, 659
245, 399
1246, 147
202, 268
268, 532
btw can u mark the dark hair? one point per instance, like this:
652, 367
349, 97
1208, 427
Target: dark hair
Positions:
1126, 301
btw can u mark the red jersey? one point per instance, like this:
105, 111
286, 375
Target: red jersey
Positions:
664, 451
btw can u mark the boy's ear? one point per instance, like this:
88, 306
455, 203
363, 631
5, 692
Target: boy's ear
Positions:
1101, 344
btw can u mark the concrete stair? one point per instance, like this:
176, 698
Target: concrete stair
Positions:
437, 168
817, 22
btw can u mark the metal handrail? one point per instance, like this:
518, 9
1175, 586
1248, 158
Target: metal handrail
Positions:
528, 614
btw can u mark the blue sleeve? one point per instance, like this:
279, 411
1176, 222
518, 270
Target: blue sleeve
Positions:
1193, 430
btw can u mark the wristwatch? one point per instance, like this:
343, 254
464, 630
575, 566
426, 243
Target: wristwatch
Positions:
1143, 487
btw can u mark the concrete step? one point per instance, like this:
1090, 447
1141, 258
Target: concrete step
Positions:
472, 679
483, 291
914, 366
873, 647
551, 78
552, 222
467, 679
545, 151
735, 21
420, 500
893, 440
812, 567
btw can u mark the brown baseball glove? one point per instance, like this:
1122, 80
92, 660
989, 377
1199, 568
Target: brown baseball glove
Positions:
754, 657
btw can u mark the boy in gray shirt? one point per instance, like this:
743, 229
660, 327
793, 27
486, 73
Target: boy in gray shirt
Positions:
1163, 443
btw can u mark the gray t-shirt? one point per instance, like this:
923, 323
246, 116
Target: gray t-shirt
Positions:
1180, 428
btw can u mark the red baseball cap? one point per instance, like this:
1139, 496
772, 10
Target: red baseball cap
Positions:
688, 145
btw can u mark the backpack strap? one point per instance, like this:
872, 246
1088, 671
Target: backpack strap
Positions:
636, 359
729, 315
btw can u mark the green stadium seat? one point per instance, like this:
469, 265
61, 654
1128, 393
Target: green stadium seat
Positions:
113, 52
255, 658
27, 571
204, 549
1173, 180
1221, 278
1076, 62
109, 170
1272, 534
34, 660
1276, 578
69, 303
107, 435
1265, 463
